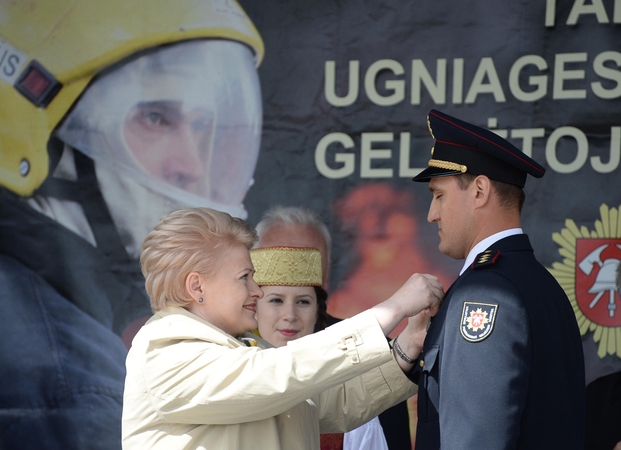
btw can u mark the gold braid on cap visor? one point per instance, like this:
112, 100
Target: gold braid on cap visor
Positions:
438, 163
286, 266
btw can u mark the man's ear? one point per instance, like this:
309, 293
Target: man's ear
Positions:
194, 285
482, 190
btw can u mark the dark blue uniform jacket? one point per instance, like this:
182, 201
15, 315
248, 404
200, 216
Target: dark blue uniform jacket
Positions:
502, 365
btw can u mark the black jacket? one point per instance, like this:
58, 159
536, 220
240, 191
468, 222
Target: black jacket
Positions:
62, 365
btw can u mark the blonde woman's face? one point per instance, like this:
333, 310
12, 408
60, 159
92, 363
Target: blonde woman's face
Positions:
286, 313
230, 296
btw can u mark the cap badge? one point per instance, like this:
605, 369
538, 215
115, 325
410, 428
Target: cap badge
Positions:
477, 321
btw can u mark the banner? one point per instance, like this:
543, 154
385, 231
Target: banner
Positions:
114, 113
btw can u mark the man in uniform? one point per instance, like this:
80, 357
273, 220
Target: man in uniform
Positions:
113, 113
502, 364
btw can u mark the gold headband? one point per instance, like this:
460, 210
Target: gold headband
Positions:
286, 266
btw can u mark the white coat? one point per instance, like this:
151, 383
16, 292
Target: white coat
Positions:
190, 385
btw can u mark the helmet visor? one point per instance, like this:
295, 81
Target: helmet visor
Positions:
183, 119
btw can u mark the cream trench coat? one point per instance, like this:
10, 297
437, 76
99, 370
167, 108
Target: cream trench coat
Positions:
189, 385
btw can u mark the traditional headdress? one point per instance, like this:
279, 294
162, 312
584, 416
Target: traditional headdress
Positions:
286, 266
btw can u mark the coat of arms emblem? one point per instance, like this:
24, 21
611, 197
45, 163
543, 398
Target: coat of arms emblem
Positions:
590, 274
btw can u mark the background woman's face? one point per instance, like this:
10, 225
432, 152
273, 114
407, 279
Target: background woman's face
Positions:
286, 313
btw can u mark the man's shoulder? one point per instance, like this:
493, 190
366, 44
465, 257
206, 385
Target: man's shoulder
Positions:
511, 256
487, 275
490, 283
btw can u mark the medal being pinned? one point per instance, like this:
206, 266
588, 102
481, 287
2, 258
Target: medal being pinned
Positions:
477, 321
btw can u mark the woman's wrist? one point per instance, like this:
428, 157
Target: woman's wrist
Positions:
401, 353
388, 316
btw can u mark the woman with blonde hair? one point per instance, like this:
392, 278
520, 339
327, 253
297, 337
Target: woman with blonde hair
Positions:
197, 379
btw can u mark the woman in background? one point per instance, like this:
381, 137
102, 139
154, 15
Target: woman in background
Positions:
293, 306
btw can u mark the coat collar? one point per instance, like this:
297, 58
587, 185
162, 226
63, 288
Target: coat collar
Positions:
182, 324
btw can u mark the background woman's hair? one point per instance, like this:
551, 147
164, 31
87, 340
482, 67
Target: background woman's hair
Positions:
322, 312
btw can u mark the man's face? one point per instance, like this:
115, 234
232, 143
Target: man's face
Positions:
169, 141
451, 209
196, 122
182, 122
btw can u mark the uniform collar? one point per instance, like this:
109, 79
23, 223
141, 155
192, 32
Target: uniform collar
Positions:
486, 243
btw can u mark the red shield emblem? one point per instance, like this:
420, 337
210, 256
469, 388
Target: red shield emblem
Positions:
597, 280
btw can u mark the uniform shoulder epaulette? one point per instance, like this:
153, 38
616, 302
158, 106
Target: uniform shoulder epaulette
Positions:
485, 259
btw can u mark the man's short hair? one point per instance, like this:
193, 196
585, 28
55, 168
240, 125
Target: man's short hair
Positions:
510, 195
